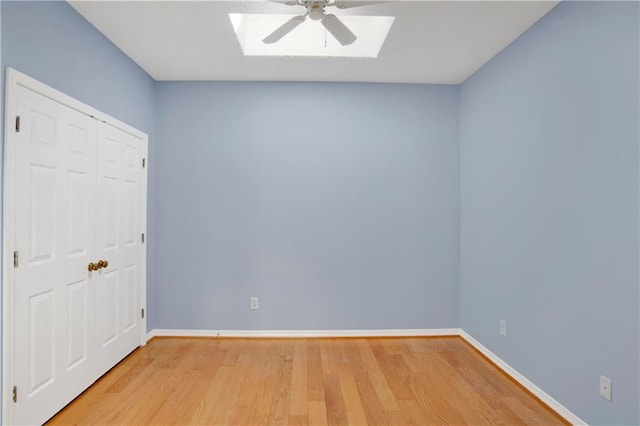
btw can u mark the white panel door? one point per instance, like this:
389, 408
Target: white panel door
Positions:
121, 182
54, 350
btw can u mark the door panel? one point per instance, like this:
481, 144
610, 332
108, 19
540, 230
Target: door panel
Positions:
118, 226
41, 341
130, 290
130, 227
42, 212
107, 306
53, 231
78, 226
77, 316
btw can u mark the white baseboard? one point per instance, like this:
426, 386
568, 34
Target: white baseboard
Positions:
528, 384
305, 333
151, 334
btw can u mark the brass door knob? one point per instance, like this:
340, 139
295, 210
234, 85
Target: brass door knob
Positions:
103, 264
92, 267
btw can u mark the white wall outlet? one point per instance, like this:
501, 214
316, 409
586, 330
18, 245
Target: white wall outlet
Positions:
254, 303
605, 388
503, 327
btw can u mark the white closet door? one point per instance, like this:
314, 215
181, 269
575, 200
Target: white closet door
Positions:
54, 347
118, 224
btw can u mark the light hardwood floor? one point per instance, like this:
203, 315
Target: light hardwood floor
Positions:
399, 381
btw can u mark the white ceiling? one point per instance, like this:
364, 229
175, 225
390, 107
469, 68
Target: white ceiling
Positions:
429, 42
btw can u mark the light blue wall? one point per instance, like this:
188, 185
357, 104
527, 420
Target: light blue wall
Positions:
339, 204
1, 177
549, 173
51, 42
336, 204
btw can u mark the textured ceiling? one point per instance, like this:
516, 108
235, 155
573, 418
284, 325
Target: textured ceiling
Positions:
429, 42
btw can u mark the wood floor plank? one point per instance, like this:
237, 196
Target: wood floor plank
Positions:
317, 413
266, 385
447, 401
173, 410
208, 401
238, 359
298, 421
396, 418
336, 411
405, 381
161, 386
428, 390
298, 401
157, 386
417, 415
131, 375
397, 375
369, 398
102, 410
353, 404
377, 378
328, 357
250, 387
315, 384
195, 383
77, 409
279, 413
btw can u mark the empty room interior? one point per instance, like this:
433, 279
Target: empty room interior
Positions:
320, 212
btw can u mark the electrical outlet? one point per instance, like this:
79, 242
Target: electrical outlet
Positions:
254, 303
605, 388
503, 327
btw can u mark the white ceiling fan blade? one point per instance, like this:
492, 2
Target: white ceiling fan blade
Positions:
287, 2
338, 30
346, 4
284, 29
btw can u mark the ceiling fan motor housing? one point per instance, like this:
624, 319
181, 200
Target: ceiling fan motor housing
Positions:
315, 12
315, 9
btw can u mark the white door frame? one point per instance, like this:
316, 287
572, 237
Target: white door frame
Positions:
15, 79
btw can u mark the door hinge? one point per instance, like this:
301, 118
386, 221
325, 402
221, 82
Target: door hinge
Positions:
142, 312
15, 259
17, 124
144, 162
15, 394
142, 237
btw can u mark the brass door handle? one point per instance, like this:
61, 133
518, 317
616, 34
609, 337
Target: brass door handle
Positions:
98, 265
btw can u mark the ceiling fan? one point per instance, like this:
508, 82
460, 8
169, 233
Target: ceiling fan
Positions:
315, 12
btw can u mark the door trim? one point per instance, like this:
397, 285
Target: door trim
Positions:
15, 79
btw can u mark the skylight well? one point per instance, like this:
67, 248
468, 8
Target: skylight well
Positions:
310, 38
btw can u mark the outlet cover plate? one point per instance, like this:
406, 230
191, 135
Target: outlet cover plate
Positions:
605, 388
503, 327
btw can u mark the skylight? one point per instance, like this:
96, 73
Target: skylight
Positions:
310, 38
